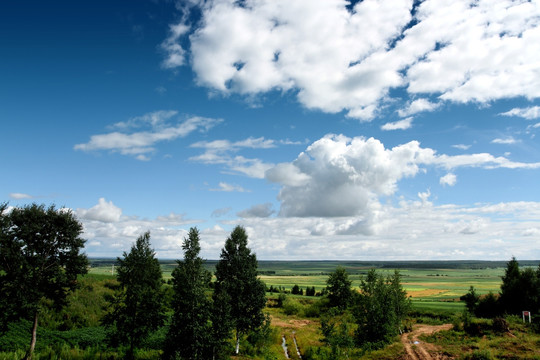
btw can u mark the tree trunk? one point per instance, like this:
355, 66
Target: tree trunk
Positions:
237, 342
30, 352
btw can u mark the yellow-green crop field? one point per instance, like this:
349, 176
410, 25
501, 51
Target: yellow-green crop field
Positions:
431, 285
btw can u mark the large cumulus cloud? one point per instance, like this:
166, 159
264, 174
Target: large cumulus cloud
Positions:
337, 57
340, 176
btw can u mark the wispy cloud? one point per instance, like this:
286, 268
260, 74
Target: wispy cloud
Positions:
398, 125
461, 146
257, 211
417, 106
158, 128
230, 188
506, 141
529, 113
20, 196
224, 152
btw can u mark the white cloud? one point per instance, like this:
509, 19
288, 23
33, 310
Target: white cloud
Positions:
417, 106
141, 143
341, 176
409, 231
257, 211
529, 113
340, 60
531, 232
461, 146
222, 152
229, 188
448, 179
20, 196
175, 54
104, 211
107, 230
506, 141
424, 196
398, 125
414, 230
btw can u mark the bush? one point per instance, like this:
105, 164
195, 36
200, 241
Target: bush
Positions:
292, 307
487, 307
479, 355
281, 299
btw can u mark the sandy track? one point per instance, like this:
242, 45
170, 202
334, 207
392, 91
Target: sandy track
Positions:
419, 350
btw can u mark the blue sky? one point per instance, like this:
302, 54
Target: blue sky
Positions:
379, 130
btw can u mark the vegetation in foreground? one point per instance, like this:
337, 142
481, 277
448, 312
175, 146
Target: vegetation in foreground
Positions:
99, 318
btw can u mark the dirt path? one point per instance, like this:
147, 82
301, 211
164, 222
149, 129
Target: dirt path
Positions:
419, 350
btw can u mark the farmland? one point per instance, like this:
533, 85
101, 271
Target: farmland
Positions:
433, 287
431, 284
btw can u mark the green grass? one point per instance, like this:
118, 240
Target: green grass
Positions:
432, 285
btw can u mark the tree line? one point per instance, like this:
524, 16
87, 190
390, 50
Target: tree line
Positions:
41, 259
520, 291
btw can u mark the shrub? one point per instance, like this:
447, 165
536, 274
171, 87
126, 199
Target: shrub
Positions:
292, 307
281, 299
479, 355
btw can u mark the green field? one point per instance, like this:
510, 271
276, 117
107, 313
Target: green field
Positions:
432, 285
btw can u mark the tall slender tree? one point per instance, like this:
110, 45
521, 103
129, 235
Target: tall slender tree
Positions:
236, 276
137, 308
511, 292
190, 330
40, 253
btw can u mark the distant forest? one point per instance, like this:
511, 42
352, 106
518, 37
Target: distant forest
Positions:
353, 267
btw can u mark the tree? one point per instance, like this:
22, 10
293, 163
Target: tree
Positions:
339, 290
236, 277
337, 331
471, 300
190, 330
401, 304
295, 290
137, 308
510, 292
380, 309
41, 259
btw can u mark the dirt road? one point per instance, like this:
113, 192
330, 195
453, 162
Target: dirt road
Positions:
419, 350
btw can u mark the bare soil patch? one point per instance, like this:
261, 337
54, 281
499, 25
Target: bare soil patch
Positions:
419, 350
289, 323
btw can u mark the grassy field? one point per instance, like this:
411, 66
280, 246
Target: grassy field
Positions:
434, 288
432, 285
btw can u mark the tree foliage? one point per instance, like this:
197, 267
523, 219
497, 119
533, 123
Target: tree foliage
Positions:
471, 300
237, 286
137, 307
190, 330
338, 333
338, 287
520, 289
380, 309
40, 252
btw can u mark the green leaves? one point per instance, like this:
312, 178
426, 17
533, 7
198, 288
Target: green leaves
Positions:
380, 309
236, 274
190, 330
40, 259
137, 308
339, 288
